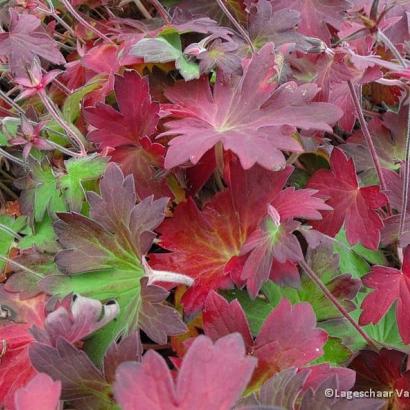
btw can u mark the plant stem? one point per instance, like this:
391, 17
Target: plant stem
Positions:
236, 24
161, 11
315, 279
60, 121
12, 158
367, 135
142, 9
386, 41
10, 102
83, 22
406, 177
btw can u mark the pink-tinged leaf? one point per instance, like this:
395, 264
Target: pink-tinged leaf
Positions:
15, 366
301, 203
353, 206
75, 320
288, 388
315, 15
203, 242
221, 318
254, 117
390, 285
279, 27
288, 337
389, 137
40, 392
383, 371
25, 40
212, 376
81, 381
279, 345
272, 241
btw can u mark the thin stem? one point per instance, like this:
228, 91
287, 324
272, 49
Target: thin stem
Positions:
7, 190
10, 231
367, 136
236, 24
83, 22
386, 41
142, 9
65, 150
60, 121
161, 11
405, 188
12, 158
11, 102
314, 278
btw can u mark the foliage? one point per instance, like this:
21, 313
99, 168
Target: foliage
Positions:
204, 204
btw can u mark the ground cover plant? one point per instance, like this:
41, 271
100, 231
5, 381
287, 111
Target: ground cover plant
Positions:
204, 204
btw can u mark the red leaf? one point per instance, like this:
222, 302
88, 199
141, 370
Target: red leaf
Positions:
212, 376
204, 241
288, 337
316, 14
353, 206
15, 366
41, 391
383, 371
254, 117
25, 40
128, 129
390, 285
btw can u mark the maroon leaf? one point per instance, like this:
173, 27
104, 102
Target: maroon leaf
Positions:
390, 285
81, 381
254, 117
211, 376
384, 371
278, 345
353, 207
26, 39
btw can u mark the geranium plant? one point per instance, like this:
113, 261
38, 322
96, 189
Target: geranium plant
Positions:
204, 204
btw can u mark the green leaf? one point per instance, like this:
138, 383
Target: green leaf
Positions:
355, 259
335, 353
102, 255
43, 194
164, 49
41, 235
80, 170
72, 104
9, 230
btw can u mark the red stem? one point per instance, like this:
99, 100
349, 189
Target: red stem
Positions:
405, 188
367, 135
236, 24
161, 11
315, 279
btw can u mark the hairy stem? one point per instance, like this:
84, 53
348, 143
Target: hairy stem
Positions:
367, 136
316, 280
236, 24
143, 9
83, 22
161, 11
63, 124
406, 177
